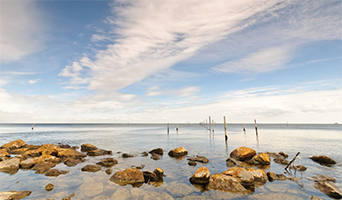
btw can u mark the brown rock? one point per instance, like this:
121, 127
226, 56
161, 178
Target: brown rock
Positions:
92, 168
159, 173
64, 146
330, 189
17, 151
144, 154
49, 187
231, 162
315, 198
14, 195
323, 160
149, 176
109, 171
48, 149
243, 153
248, 176
4, 153
70, 153
273, 176
107, 162
73, 162
298, 167
126, 155
283, 154
99, 152
10, 165
43, 167
155, 156
281, 161
138, 167
129, 176
33, 153
192, 163
322, 178
201, 159
55, 172
87, 147
201, 176
158, 151
178, 152
14, 144
227, 183
261, 159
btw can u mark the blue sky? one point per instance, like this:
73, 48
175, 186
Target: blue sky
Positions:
171, 61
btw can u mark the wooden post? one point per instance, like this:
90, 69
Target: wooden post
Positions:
206, 123
212, 125
225, 128
256, 128
209, 123
293, 159
168, 128
244, 128
177, 127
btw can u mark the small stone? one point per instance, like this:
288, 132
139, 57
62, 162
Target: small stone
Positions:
149, 176
144, 154
87, 147
201, 159
283, 154
272, 176
126, 155
138, 167
192, 163
281, 161
298, 167
107, 162
92, 168
323, 160
155, 156
201, 176
158, 151
178, 152
52, 172
109, 171
49, 187
159, 173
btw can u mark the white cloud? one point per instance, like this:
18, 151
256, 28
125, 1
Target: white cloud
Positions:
34, 81
21, 29
177, 92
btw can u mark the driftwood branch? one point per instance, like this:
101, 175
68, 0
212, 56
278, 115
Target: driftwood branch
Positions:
293, 159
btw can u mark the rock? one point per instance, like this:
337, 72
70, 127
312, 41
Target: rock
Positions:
273, 176
122, 194
298, 167
329, 188
48, 149
91, 168
64, 146
315, 198
17, 151
43, 167
227, 183
201, 176
158, 151
126, 155
144, 154
247, 176
129, 176
323, 160
155, 156
293, 178
109, 171
179, 189
33, 153
178, 152
73, 162
14, 195
28, 163
275, 155
159, 173
55, 172
192, 163
49, 158
322, 178
49, 187
4, 154
231, 162
99, 152
9, 165
281, 161
70, 153
138, 167
14, 144
201, 159
91, 189
87, 147
283, 154
149, 176
107, 162
260, 159
243, 153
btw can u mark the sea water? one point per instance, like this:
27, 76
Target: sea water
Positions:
308, 139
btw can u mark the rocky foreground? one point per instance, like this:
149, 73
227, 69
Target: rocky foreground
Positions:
245, 168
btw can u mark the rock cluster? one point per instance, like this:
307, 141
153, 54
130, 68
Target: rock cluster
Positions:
247, 155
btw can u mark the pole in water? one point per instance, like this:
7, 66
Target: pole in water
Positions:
256, 128
32, 126
168, 128
212, 125
206, 123
225, 128
209, 123
244, 128
177, 127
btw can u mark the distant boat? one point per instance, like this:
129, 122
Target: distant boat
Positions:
32, 126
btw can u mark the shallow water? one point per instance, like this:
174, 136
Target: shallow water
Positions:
135, 138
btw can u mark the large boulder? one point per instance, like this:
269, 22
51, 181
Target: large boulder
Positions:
227, 183
158, 151
129, 176
201, 159
87, 147
324, 160
329, 188
107, 162
178, 152
201, 176
10, 165
260, 159
243, 153
14, 144
248, 176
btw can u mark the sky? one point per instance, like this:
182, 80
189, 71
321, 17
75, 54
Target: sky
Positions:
175, 61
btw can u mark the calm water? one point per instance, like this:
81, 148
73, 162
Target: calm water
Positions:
135, 138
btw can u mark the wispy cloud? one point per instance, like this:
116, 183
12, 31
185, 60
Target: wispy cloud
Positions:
34, 81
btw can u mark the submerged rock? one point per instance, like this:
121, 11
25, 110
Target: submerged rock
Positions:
155, 156
329, 188
126, 155
9, 165
14, 145
201, 176
298, 167
201, 159
49, 187
178, 152
107, 162
43, 167
73, 162
99, 152
322, 178
92, 168
227, 183
158, 151
243, 153
323, 160
129, 176
281, 161
87, 147
273, 176
285, 155
14, 195
55, 172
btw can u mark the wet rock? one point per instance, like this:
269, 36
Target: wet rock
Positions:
155, 156
48, 149
323, 160
121, 193
70, 153
43, 167
231, 162
315, 198
248, 176
227, 183
49, 187
158, 151
273, 176
126, 155
322, 178
99, 152
109, 171
129, 176
138, 167
293, 178
179, 189
298, 167
49, 158
87, 147
178, 152
192, 163
329, 188
260, 159
107, 162
149, 176
281, 161
55, 172
4, 154
28, 163
201, 159
144, 154
17, 151
14, 195
201, 176
159, 173
14, 145
283, 154
9, 165
91, 189
33, 153
91, 168
73, 162
64, 146
243, 153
